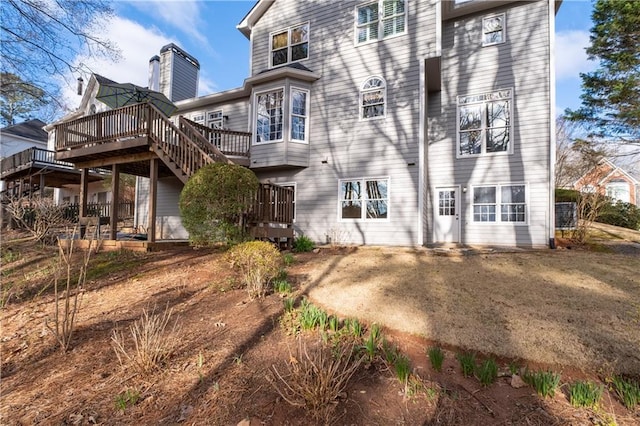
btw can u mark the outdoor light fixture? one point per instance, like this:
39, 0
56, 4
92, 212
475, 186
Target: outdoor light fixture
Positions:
80, 83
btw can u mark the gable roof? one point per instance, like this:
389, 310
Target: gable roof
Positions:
613, 169
246, 25
31, 129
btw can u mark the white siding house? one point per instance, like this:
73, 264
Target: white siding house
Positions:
402, 122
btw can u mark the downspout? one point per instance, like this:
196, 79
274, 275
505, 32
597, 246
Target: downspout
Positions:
552, 123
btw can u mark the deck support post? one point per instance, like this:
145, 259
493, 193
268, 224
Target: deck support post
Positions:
84, 189
153, 198
41, 189
115, 191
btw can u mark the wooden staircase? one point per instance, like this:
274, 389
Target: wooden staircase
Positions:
183, 150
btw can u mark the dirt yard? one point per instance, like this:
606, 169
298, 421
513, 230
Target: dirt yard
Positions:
573, 311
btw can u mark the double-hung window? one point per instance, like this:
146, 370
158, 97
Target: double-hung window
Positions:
484, 123
290, 45
373, 93
500, 203
299, 114
493, 30
364, 199
269, 116
380, 19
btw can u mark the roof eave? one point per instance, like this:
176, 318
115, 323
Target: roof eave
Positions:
246, 25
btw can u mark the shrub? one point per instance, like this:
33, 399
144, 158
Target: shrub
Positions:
311, 316
213, 201
303, 244
585, 394
259, 262
353, 327
467, 363
628, 391
620, 214
288, 259
402, 367
315, 378
153, 342
436, 357
371, 343
487, 372
544, 382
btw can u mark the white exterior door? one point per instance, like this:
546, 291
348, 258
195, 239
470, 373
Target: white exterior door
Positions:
447, 215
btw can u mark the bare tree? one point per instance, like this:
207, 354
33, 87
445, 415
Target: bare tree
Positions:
41, 38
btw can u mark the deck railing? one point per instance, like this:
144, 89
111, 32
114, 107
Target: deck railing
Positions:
28, 157
186, 126
273, 204
125, 210
229, 142
125, 122
174, 143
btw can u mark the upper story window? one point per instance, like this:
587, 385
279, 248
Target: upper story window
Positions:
380, 19
269, 116
365, 199
493, 30
373, 94
277, 120
484, 123
290, 45
299, 114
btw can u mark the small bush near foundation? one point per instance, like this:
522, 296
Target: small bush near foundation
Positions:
544, 382
303, 244
316, 377
585, 394
436, 356
259, 262
628, 391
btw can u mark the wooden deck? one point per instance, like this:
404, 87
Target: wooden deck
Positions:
36, 168
115, 245
141, 141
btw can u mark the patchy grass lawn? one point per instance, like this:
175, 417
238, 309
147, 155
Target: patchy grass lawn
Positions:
572, 311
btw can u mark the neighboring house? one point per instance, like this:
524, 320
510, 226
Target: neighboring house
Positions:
394, 122
19, 137
610, 180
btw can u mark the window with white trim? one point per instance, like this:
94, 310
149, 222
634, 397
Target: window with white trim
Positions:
380, 19
299, 114
364, 198
269, 116
493, 29
510, 198
373, 94
214, 121
198, 118
484, 123
290, 45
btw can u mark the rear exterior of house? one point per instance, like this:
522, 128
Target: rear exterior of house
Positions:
399, 122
